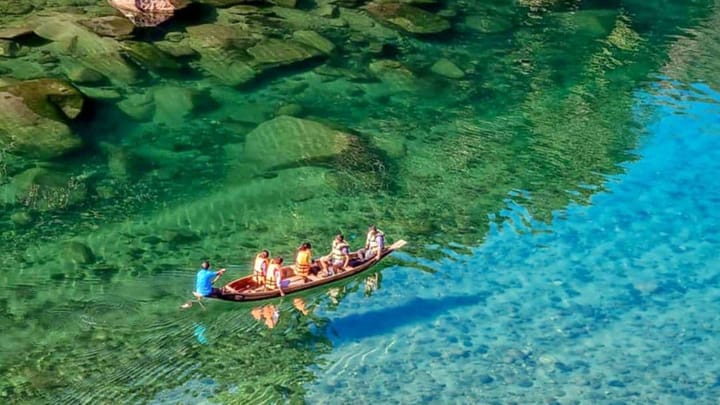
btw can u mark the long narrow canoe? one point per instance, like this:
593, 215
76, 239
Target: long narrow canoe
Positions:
246, 289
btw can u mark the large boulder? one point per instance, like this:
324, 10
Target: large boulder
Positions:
288, 141
276, 52
110, 26
218, 56
148, 13
72, 41
33, 116
411, 19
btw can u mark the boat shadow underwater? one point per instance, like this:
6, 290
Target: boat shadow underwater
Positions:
378, 322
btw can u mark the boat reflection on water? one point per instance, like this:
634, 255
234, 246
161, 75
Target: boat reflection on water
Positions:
269, 314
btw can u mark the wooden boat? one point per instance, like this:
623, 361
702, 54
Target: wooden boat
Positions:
246, 289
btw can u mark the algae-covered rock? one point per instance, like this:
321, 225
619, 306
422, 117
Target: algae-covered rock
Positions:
83, 75
218, 56
287, 141
179, 236
444, 67
33, 115
17, 7
44, 190
394, 74
275, 52
78, 253
80, 45
110, 26
285, 3
21, 218
148, 55
315, 40
139, 107
409, 18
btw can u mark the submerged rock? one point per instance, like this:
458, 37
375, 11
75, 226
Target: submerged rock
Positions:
17, 7
276, 52
78, 253
150, 56
393, 73
409, 18
444, 67
315, 40
44, 190
139, 107
173, 104
33, 115
76, 44
286, 141
110, 26
21, 218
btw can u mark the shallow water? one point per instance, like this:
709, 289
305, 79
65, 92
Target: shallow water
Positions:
558, 200
615, 301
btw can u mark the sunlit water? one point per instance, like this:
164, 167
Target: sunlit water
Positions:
617, 301
559, 203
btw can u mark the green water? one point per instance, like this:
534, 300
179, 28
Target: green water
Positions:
543, 112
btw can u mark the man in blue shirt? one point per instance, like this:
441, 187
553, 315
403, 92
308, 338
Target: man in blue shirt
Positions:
204, 283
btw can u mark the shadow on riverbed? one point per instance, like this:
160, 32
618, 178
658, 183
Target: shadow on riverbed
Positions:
358, 326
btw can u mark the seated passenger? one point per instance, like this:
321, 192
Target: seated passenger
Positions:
374, 243
303, 261
260, 267
338, 258
274, 276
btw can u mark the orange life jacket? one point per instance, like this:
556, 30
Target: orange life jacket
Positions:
273, 275
303, 261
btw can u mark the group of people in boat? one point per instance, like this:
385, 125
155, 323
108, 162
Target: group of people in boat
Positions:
268, 272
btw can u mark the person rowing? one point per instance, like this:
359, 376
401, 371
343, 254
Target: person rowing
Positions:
204, 280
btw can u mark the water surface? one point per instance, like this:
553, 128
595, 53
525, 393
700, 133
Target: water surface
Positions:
557, 199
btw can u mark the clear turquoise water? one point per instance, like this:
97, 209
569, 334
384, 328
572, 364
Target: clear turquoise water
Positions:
615, 302
558, 200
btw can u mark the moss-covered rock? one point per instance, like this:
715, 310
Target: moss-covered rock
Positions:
110, 26
139, 107
275, 52
150, 56
315, 40
445, 67
77, 44
33, 115
286, 141
78, 253
44, 190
